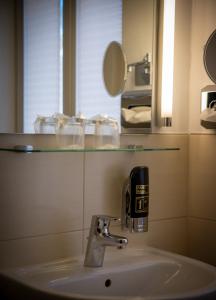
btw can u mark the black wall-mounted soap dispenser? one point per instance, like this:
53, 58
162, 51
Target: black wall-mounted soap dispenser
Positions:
135, 200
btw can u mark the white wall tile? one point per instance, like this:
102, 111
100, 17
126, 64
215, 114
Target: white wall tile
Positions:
203, 23
41, 193
105, 174
104, 177
27, 251
168, 183
170, 235
202, 164
202, 242
202, 176
202, 204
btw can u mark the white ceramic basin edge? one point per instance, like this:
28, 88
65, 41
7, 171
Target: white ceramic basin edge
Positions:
146, 273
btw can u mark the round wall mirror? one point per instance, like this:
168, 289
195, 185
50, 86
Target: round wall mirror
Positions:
209, 57
114, 69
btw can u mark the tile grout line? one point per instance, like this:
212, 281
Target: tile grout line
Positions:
87, 228
156, 220
202, 219
39, 235
168, 218
188, 182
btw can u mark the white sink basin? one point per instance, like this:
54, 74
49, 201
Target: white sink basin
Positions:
145, 273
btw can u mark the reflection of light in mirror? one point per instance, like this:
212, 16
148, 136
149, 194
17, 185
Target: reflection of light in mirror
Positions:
168, 58
61, 7
204, 101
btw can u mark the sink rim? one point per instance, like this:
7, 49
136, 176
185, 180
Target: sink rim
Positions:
20, 275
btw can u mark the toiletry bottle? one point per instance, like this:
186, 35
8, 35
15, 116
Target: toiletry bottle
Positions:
135, 203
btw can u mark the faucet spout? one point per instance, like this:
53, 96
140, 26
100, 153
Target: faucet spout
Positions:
114, 240
99, 238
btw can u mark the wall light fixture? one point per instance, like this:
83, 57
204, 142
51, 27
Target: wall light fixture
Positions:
167, 62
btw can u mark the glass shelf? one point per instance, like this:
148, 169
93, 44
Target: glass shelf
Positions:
129, 148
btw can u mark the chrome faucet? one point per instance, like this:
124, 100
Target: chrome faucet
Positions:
99, 238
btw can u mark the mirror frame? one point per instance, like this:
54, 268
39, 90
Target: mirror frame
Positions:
114, 69
208, 56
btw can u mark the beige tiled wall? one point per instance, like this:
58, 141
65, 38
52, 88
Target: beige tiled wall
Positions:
168, 234
36, 194
203, 23
202, 163
47, 199
202, 199
168, 189
168, 182
201, 240
39, 248
41, 207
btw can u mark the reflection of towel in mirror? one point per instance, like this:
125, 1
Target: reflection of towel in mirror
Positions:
137, 114
209, 115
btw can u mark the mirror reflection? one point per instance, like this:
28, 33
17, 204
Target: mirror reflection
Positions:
57, 64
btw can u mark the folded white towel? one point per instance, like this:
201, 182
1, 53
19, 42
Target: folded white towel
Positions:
137, 114
209, 115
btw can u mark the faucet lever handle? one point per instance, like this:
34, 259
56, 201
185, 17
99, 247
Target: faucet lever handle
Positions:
103, 221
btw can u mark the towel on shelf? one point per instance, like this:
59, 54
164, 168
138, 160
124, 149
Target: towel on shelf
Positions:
137, 114
209, 115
